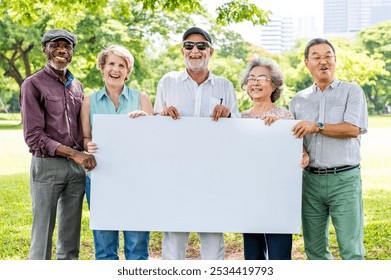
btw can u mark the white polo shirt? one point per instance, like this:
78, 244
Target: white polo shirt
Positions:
178, 89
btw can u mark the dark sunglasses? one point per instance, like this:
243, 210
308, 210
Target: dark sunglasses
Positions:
200, 45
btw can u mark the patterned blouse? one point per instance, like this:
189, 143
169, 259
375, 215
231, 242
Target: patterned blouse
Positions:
278, 112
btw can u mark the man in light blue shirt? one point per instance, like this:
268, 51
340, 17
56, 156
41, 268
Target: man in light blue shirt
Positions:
334, 115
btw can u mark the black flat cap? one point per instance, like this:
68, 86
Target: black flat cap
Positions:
56, 34
197, 30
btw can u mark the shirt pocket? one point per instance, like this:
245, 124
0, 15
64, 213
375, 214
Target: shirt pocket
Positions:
75, 101
54, 105
213, 102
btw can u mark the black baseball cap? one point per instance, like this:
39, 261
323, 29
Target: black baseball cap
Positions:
56, 34
197, 30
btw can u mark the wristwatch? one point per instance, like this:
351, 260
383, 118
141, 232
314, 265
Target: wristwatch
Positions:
320, 126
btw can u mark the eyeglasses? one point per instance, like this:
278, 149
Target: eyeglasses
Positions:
188, 45
253, 80
328, 58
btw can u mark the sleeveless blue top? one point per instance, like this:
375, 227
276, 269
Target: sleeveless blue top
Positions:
100, 102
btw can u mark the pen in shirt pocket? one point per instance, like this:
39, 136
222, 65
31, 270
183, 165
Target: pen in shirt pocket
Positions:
221, 101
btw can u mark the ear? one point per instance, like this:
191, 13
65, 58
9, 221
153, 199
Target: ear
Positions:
128, 74
101, 68
211, 51
43, 48
306, 62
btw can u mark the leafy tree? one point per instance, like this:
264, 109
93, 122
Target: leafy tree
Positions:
376, 42
70, 12
141, 25
377, 39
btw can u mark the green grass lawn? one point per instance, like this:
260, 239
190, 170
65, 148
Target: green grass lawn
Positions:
15, 201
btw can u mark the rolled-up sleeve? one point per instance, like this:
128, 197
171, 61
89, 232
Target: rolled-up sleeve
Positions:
356, 109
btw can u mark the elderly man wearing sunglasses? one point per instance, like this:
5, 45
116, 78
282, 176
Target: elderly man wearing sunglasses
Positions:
195, 92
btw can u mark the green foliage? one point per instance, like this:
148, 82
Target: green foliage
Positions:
377, 229
376, 41
151, 29
171, 5
61, 12
238, 11
69, 12
16, 217
296, 75
231, 44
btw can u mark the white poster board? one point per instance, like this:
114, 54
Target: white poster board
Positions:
195, 175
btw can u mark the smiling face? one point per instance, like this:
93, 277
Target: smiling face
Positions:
58, 54
195, 59
260, 89
321, 63
115, 70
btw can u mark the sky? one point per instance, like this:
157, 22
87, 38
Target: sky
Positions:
294, 8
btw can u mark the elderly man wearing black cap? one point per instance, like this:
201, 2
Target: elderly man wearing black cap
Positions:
50, 101
195, 92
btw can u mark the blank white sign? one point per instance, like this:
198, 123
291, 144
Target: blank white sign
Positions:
195, 175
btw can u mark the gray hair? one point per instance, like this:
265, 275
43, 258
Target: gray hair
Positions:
275, 72
121, 51
316, 41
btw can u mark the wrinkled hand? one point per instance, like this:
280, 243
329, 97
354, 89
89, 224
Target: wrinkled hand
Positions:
86, 160
270, 119
305, 160
304, 128
220, 111
171, 111
136, 114
91, 147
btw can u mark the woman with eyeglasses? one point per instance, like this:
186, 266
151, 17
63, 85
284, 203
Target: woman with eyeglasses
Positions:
263, 80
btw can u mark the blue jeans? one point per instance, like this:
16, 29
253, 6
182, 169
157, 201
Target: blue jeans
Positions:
107, 241
257, 246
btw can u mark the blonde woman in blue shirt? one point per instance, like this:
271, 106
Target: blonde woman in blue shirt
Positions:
116, 64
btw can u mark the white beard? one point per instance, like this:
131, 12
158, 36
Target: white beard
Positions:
55, 66
195, 65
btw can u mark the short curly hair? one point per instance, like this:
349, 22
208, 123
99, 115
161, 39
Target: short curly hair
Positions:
275, 72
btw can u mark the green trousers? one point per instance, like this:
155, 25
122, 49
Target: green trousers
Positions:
338, 196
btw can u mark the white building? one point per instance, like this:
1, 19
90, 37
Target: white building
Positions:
277, 35
344, 18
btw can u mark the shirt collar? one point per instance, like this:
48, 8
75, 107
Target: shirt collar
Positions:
50, 71
70, 78
333, 85
103, 93
184, 76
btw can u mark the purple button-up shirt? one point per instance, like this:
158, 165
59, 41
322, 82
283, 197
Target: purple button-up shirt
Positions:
50, 112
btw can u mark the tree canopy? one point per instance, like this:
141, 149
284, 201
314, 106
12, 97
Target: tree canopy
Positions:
70, 12
151, 30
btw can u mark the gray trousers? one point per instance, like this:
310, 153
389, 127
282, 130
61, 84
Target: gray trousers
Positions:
175, 244
57, 186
